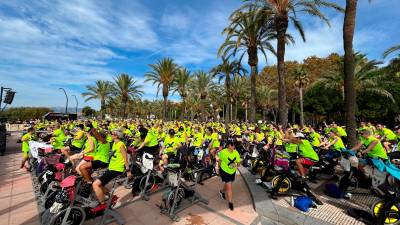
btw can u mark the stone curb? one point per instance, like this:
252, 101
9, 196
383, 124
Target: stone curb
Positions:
269, 212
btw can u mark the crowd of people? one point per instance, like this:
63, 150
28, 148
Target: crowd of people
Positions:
92, 141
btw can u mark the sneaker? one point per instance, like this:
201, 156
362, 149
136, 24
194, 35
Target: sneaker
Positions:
222, 195
100, 207
230, 206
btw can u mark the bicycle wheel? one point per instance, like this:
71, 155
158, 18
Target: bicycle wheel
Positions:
48, 202
392, 217
150, 184
285, 184
76, 217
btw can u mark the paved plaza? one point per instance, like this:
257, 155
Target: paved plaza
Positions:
19, 206
252, 204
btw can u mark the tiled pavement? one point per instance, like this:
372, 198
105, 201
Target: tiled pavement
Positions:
18, 204
333, 211
17, 199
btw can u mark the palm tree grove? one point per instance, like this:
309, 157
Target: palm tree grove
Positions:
200, 112
283, 93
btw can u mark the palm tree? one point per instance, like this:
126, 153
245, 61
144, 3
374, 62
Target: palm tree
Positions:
391, 50
126, 88
240, 91
248, 33
101, 90
267, 100
367, 80
180, 85
301, 81
224, 71
202, 84
281, 12
349, 64
163, 74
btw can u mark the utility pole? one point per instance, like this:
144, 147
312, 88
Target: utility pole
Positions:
66, 96
76, 107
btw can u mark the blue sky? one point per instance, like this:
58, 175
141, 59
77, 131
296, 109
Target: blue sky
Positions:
47, 44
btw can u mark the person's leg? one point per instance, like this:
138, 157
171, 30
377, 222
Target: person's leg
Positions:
85, 171
300, 167
78, 167
228, 191
24, 159
98, 190
65, 151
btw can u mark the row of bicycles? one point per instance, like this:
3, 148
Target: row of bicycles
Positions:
278, 175
65, 198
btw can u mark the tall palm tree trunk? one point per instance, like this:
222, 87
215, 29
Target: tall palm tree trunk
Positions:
102, 105
183, 108
165, 107
349, 90
228, 99
282, 25
301, 107
203, 109
253, 62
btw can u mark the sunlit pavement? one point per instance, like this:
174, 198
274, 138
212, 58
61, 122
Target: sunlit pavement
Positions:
17, 198
19, 206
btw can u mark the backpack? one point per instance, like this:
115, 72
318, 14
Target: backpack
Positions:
303, 203
332, 190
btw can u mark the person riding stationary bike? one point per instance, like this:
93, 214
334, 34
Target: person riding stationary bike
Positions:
150, 143
373, 147
77, 142
100, 158
169, 149
117, 166
307, 156
387, 137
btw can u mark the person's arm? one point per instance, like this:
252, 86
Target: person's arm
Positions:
356, 147
331, 143
370, 147
143, 144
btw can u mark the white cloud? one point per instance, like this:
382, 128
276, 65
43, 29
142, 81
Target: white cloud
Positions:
51, 44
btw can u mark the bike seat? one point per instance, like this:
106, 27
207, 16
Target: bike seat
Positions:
173, 167
69, 181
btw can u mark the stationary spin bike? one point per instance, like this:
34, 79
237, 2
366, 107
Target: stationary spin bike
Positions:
70, 207
181, 195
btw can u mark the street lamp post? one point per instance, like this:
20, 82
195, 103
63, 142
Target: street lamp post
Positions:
66, 96
76, 107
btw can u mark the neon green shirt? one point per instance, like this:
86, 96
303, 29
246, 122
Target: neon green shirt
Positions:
307, 151
378, 151
117, 162
87, 146
151, 139
25, 142
197, 139
171, 144
102, 152
227, 158
78, 142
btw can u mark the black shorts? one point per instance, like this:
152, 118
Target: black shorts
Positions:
154, 150
75, 149
96, 164
108, 176
226, 177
